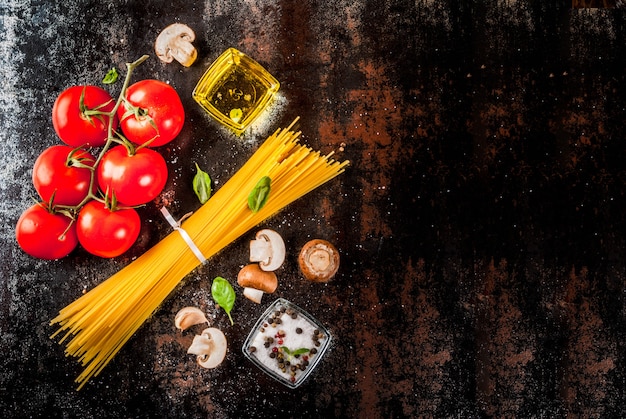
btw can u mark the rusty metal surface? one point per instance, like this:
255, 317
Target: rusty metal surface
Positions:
481, 221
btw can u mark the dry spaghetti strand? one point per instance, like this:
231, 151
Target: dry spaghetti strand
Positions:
98, 324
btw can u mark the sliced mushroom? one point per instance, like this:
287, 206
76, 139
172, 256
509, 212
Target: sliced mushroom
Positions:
175, 43
209, 347
318, 260
256, 281
268, 249
189, 316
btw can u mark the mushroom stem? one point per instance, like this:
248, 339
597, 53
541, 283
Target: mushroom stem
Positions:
260, 250
253, 294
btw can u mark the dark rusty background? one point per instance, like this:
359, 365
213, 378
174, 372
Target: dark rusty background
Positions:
481, 222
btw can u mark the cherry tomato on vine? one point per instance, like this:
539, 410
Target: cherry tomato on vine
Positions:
133, 179
60, 171
151, 112
107, 232
73, 116
45, 234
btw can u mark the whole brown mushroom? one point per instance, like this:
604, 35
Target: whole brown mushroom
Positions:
318, 260
255, 281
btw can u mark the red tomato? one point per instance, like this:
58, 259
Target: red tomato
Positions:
55, 172
45, 234
104, 232
71, 123
152, 111
134, 179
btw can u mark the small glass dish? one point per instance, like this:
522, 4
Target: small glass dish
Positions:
287, 343
235, 90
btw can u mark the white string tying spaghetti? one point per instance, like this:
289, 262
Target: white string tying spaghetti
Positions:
176, 226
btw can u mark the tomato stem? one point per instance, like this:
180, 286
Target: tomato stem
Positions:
111, 138
130, 68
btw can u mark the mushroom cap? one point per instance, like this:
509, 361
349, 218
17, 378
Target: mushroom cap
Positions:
268, 249
210, 347
252, 276
318, 260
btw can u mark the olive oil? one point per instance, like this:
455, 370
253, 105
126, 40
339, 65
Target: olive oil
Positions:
235, 90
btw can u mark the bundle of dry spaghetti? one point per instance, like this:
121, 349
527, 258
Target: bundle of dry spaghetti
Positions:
97, 325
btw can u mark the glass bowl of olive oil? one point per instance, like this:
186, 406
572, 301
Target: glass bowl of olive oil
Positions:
235, 90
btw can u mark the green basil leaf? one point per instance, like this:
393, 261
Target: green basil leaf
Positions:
111, 76
224, 295
202, 185
260, 194
291, 354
